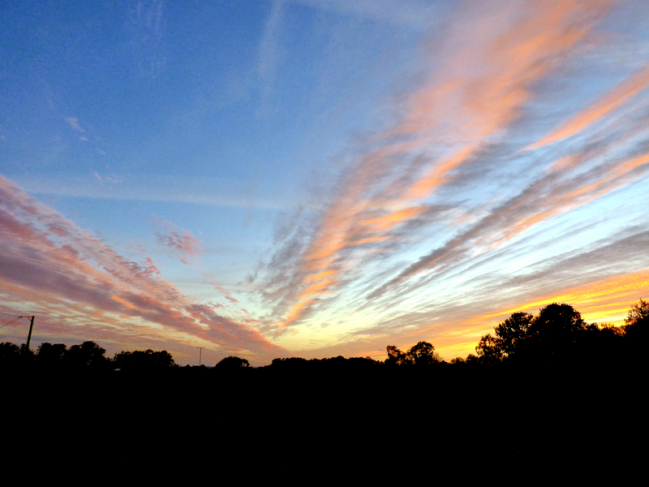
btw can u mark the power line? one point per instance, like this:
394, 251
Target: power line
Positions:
10, 322
31, 326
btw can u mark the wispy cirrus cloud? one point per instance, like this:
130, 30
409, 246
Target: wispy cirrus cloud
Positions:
632, 86
453, 193
107, 179
268, 47
146, 24
484, 77
550, 196
183, 245
50, 265
468, 304
412, 13
74, 123
226, 294
208, 191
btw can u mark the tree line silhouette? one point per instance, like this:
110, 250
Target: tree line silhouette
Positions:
87, 356
540, 390
556, 337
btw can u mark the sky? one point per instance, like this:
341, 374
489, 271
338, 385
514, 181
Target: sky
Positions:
318, 178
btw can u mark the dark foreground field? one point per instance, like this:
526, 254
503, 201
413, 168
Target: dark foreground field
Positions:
547, 398
346, 423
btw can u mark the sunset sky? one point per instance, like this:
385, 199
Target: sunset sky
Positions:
318, 177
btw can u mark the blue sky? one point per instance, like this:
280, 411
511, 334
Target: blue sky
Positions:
318, 178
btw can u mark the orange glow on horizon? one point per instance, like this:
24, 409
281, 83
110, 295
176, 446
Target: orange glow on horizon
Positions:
604, 301
616, 295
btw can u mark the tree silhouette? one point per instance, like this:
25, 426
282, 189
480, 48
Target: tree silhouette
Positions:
139, 360
51, 354
557, 319
636, 323
557, 334
512, 331
490, 350
395, 356
9, 353
555, 331
88, 354
233, 363
423, 353
508, 336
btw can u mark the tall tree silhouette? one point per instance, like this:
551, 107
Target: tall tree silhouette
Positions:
636, 323
233, 363
423, 353
554, 332
395, 356
139, 360
51, 354
88, 354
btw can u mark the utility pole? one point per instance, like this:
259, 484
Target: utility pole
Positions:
200, 355
29, 336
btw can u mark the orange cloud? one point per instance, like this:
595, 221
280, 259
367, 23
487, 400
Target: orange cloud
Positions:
477, 90
321, 275
636, 83
386, 222
296, 311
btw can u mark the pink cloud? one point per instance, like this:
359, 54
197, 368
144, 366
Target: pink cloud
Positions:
181, 242
73, 279
221, 289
